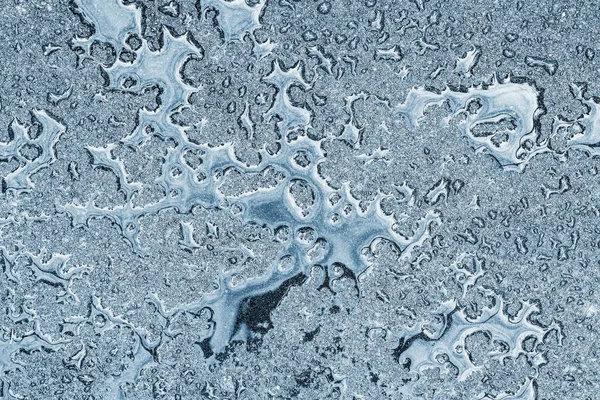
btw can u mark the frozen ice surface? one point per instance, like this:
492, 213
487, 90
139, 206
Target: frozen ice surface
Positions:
296, 199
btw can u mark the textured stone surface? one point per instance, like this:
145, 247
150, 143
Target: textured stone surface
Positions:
297, 199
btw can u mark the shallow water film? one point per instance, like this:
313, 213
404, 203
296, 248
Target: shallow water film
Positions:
299, 199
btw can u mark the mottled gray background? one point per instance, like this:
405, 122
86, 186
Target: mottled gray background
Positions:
298, 199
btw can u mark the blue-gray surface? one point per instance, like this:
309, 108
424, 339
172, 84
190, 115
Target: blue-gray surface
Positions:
298, 199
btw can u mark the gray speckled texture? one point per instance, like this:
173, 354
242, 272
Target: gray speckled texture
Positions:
297, 199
